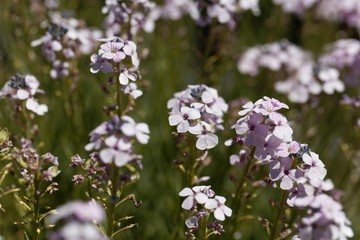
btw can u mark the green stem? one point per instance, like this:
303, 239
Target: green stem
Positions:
118, 97
191, 169
280, 212
203, 228
113, 199
239, 191
26, 120
36, 218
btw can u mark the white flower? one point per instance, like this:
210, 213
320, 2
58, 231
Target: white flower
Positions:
132, 90
115, 151
125, 76
332, 83
33, 105
182, 119
139, 130
218, 205
316, 166
206, 139
192, 196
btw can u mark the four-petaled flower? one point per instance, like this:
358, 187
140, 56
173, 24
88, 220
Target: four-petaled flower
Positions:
111, 50
220, 209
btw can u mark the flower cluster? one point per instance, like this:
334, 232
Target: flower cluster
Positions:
24, 87
325, 218
344, 54
204, 11
265, 132
347, 12
296, 6
113, 139
139, 15
78, 221
120, 57
304, 76
66, 38
198, 110
201, 202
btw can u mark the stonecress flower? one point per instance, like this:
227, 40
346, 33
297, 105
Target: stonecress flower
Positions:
77, 220
138, 15
23, 88
316, 168
183, 119
303, 77
113, 139
66, 38
298, 170
119, 56
112, 51
222, 11
201, 201
99, 63
131, 89
218, 206
198, 110
194, 196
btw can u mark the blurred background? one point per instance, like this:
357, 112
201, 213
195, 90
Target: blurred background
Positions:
172, 62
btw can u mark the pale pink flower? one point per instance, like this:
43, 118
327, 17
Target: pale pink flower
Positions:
193, 196
112, 51
218, 206
316, 168
183, 118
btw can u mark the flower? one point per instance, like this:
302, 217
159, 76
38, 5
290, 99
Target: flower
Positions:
193, 196
113, 140
183, 119
24, 87
34, 106
99, 63
125, 75
315, 166
199, 111
132, 90
79, 218
112, 51
220, 209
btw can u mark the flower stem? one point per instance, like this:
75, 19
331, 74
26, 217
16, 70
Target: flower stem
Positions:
238, 192
118, 97
280, 212
191, 169
203, 228
113, 199
36, 218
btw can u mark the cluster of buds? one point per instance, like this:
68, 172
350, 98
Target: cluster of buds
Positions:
138, 15
93, 171
34, 167
203, 12
113, 139
265, 132
66, 38
198, 110
77, 220
120, 57
201, 201
23, 88
304, 76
